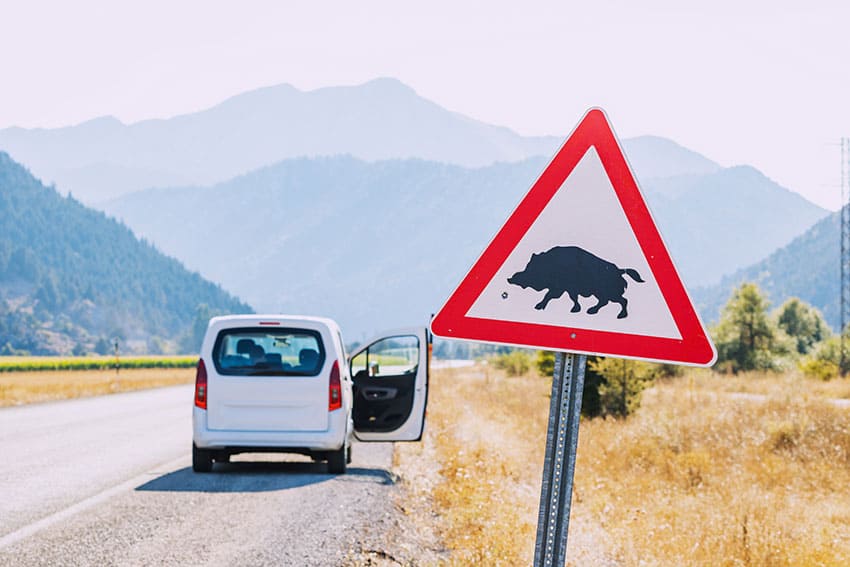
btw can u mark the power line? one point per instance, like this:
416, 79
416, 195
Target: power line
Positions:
845, 250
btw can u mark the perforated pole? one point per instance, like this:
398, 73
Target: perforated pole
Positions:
556, 493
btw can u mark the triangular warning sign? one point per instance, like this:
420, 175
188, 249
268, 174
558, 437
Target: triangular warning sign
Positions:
580, 266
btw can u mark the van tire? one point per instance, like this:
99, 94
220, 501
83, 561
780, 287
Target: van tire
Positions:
202, 460
337, 460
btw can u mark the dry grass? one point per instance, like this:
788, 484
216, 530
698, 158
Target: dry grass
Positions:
484, 440
28, 387
696, 477
791, 385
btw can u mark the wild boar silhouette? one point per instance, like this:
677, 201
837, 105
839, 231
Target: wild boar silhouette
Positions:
576, 272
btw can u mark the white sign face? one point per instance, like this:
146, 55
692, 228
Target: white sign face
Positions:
584, 213
580, 266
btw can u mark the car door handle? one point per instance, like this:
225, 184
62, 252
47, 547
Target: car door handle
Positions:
378, 393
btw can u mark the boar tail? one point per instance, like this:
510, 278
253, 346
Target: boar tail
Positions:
632, 274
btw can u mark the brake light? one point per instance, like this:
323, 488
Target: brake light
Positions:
334, 389
201, 385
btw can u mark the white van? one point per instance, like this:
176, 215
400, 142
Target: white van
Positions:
277, 383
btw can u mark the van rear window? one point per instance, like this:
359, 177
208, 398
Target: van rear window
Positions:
268, 352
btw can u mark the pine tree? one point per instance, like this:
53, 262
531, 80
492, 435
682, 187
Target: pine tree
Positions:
803, 323
746, 337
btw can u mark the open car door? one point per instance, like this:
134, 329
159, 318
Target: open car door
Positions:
390, 376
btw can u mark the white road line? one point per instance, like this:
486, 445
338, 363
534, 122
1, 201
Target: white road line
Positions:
46, 522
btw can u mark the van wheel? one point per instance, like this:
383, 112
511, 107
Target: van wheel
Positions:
348, 455
337, 460
201, 460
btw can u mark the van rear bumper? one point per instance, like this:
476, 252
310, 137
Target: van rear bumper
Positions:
272, 441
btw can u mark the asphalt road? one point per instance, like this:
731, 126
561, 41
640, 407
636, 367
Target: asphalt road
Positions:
108, 481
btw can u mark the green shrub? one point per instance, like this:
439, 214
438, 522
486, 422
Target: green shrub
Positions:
622, 382
514, 363
819, 369
544, 361
824, 360
747, 338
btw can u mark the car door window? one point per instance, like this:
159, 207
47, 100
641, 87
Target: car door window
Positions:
393, 356
385, 383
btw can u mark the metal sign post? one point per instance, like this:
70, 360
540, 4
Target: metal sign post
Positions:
553, 520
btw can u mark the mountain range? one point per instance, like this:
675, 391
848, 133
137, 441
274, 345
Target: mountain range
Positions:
368, 203
807, 268
378, 244
719, 222
70, 277
381, 119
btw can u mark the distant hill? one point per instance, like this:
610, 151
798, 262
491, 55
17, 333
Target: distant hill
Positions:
807, 268
719, 222
382, 244
655, 157
70, 276
379, 120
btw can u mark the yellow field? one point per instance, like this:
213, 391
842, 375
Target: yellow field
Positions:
699, 476
60, 363
44, 385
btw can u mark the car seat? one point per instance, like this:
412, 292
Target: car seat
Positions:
308, 358
244, 346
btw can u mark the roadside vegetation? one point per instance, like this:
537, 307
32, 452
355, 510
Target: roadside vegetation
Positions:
476, 475
44, 363
749, 338
18, 388
742, 465
697, 475
31, 379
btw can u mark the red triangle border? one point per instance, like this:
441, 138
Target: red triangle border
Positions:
695, 348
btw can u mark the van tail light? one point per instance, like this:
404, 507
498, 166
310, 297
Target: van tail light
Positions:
201, 385
334, 389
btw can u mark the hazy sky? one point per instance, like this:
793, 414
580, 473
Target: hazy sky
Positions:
759, 82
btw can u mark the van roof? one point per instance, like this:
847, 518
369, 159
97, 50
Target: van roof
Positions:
256, 319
